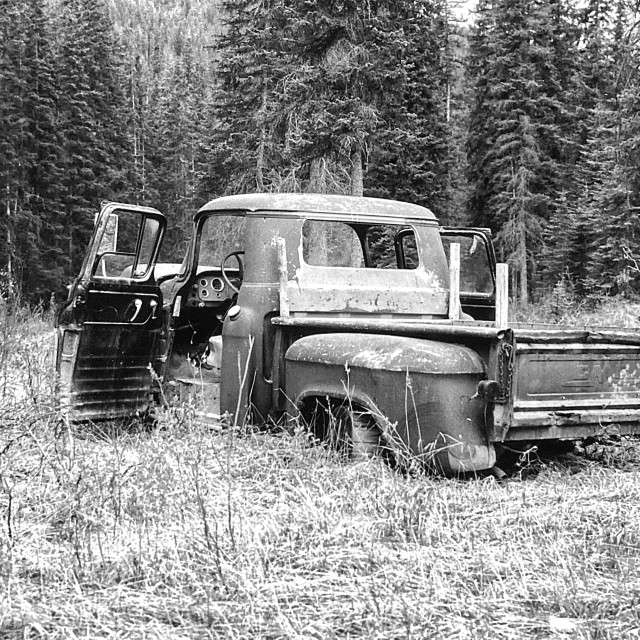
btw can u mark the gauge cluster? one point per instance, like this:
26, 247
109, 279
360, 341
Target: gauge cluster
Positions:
208, 290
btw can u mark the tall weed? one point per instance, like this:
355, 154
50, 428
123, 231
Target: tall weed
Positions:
563, 306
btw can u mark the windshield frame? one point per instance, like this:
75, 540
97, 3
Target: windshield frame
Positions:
193, 254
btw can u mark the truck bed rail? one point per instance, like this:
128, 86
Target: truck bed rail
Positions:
418, 327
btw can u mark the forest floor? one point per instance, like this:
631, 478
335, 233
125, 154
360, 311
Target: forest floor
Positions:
185, 531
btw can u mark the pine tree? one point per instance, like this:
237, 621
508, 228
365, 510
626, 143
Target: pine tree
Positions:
29, 168
515, 137
320, 96
613, 208
92, 117
13, 86
177, 142
409, 157
247, 114
607, 206
562, 256
40, 260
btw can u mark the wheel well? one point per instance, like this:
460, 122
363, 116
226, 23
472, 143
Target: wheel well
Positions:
342, 424
326, 408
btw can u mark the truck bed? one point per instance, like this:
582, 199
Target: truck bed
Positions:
559, 382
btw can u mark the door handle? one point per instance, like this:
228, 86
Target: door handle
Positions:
137, 303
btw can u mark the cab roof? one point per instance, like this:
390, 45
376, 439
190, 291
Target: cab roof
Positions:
322, 206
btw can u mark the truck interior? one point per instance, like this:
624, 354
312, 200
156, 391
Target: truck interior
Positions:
200, 304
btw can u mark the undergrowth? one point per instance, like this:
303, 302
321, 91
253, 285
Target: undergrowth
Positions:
564, 307
188, 532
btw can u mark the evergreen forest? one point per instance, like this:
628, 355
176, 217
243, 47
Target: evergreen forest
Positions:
523, 117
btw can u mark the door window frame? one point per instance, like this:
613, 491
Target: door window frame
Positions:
91, 261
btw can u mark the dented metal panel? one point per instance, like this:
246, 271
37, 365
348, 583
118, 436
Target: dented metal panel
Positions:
423, 290
574, 375
106, 372
419, 327
386, 352
318, 289
578, 386
110, 325
423, 393
555, 334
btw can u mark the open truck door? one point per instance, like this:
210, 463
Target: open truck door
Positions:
477, 269
109, 329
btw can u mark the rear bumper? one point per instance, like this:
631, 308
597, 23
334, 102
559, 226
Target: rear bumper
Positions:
572, 424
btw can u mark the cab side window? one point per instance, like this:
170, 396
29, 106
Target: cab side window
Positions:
475, 266
391, 247
338, 244
331, 244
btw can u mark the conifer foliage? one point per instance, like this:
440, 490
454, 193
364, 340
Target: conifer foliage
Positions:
91, 121
553, 141
333, 96
30, 216
62, 137
170, 103
514, 136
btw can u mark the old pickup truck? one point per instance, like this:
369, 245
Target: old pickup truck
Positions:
354, 316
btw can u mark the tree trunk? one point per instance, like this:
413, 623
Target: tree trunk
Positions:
9, 243
357, 189
262, 124
522, 268
317, 183
315, 238
357, 177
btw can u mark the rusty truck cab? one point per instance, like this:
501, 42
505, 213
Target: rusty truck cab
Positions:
330, 255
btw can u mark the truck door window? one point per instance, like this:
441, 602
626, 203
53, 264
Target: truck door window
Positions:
127, 246
331, 244
475, 270
391, 247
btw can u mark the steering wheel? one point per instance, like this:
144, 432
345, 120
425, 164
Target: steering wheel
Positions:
225, 277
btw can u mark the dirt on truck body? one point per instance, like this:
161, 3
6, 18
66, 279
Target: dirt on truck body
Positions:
361, 316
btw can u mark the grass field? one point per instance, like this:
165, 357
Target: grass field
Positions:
191, 532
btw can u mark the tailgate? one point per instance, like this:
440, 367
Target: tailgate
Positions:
575, 383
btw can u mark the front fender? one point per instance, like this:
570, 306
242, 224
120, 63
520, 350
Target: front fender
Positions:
424, 392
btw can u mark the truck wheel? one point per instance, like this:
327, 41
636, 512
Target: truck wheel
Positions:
345, 428
366, 436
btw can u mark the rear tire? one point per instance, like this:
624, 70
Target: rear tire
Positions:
366, 437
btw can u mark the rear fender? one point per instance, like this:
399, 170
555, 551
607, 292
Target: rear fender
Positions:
422, 393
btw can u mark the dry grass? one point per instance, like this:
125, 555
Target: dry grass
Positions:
564, 307
184, 532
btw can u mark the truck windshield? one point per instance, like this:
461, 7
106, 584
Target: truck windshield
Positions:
221, 234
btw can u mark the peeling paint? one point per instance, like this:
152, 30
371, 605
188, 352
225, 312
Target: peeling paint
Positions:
389, 353
561, 384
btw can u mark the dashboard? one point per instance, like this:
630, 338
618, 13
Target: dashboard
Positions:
209, 290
